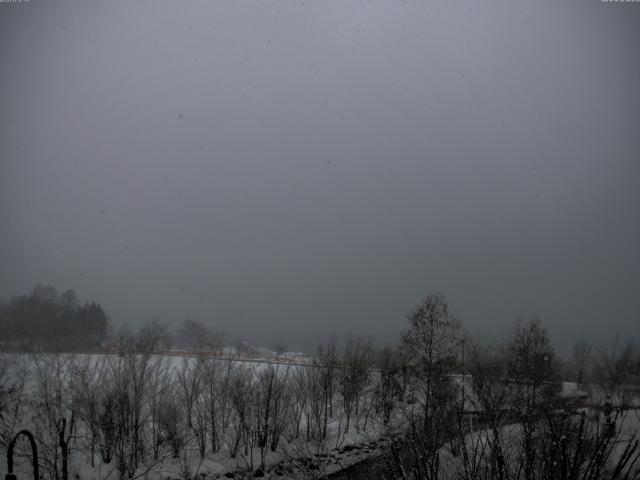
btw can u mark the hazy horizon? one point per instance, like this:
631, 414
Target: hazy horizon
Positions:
284, 171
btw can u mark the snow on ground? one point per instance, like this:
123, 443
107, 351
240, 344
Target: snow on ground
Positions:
340, 449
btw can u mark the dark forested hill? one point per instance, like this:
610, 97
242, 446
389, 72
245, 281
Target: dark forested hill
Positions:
46, 320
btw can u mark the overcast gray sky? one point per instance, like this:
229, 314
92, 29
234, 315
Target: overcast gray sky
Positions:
292, 169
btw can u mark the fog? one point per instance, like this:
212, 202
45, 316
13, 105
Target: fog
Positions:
288, 170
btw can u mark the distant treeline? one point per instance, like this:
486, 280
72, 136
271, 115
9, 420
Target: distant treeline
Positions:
47, 320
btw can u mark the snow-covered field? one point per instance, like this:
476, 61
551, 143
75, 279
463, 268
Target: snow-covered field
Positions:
247, 397
212, 415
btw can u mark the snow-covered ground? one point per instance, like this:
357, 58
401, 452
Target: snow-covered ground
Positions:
341, 448
294, 455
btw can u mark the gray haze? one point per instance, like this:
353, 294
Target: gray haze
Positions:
293, 169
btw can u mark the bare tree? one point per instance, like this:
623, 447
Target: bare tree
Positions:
317, 405
13, 392
581, 356
188, 378
213, 400
190, 386
492, 398
353, 378
197, 337
327, 360
161, 389
387, 391
55, 411
618, 371
240, 391
127, 414
170, 425
89, 376
532, 369
299, 400
430, 342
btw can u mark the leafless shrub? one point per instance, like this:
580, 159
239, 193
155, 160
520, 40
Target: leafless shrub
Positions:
353, 378
55, 411
431, 342
13, 391
618, 372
